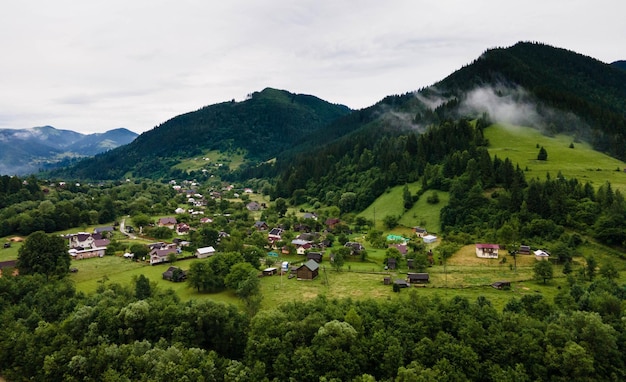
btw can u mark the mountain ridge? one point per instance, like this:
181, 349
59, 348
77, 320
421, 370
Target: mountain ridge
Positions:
24, 151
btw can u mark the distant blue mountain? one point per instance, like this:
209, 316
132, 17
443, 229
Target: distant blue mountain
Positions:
26, 151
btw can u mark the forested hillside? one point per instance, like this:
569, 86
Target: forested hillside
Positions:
262, 126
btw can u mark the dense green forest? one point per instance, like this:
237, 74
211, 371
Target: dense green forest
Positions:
50, 332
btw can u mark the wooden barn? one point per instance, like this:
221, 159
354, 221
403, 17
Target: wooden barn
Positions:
417, 278
317, 256
308, 270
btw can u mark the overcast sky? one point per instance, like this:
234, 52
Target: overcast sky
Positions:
92, 66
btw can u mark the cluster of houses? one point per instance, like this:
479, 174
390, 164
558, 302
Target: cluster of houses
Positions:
490, 251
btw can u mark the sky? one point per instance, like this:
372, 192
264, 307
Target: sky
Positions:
92, 66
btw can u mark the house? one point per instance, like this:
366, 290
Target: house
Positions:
301, 249
502, 285
524, 250
253, 206
275, 234
101, 230
420, 232
487, 251
540, 254
417, 278
309, 215
261, 226
174, 274
354, 247
204, 252
158, 256
332, 222
400, 247
168, 222
308, 270
79, 254
428, 239
182, 228
179, 211
316, 256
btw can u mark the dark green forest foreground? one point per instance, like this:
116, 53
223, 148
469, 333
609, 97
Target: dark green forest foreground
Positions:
48, 332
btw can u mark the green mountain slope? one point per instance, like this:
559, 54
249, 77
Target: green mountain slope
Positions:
265, 124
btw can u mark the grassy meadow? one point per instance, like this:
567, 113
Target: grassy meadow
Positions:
519, 144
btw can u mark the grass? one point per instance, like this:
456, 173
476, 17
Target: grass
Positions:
421, 214
209, 160
519, 144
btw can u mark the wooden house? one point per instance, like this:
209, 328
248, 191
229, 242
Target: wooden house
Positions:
417, 278
502, 285
316, 256
308, 270
174, 274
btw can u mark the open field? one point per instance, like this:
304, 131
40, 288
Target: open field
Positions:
210, 160
581, 162
421, 214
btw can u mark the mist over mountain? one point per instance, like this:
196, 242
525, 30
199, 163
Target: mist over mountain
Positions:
533, 84
24, 151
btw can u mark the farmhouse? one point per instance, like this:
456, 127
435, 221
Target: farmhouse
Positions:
275, 234
79, 254
205, 252
168, 222
308, 270
161, 255
420, 232
487, 251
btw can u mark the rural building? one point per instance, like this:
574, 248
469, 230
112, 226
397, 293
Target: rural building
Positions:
524, 250
400, 247
316, 256
391, 263
174, 274
308, 270
420, 232
502, 285
402, 283
540, 254
270, 271
168, 222
253, 206
428, 239
275, 234
487, 251
204, 252
161, 255
417, 278
79, 254
261, 226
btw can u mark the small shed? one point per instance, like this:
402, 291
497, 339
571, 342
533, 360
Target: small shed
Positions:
410, 263
402, 283
524, 250
308, 270
540, 254
387, 280
391, 263
317, 256
502, 285
428, 239
270, 271
174, 274
417, 278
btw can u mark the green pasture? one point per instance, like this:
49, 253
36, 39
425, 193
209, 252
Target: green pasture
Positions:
421, 214
519, 144
209, 160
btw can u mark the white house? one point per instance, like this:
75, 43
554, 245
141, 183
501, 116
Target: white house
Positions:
487, 251
541, 255
203, 252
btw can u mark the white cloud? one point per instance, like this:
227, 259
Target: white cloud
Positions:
97, 65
